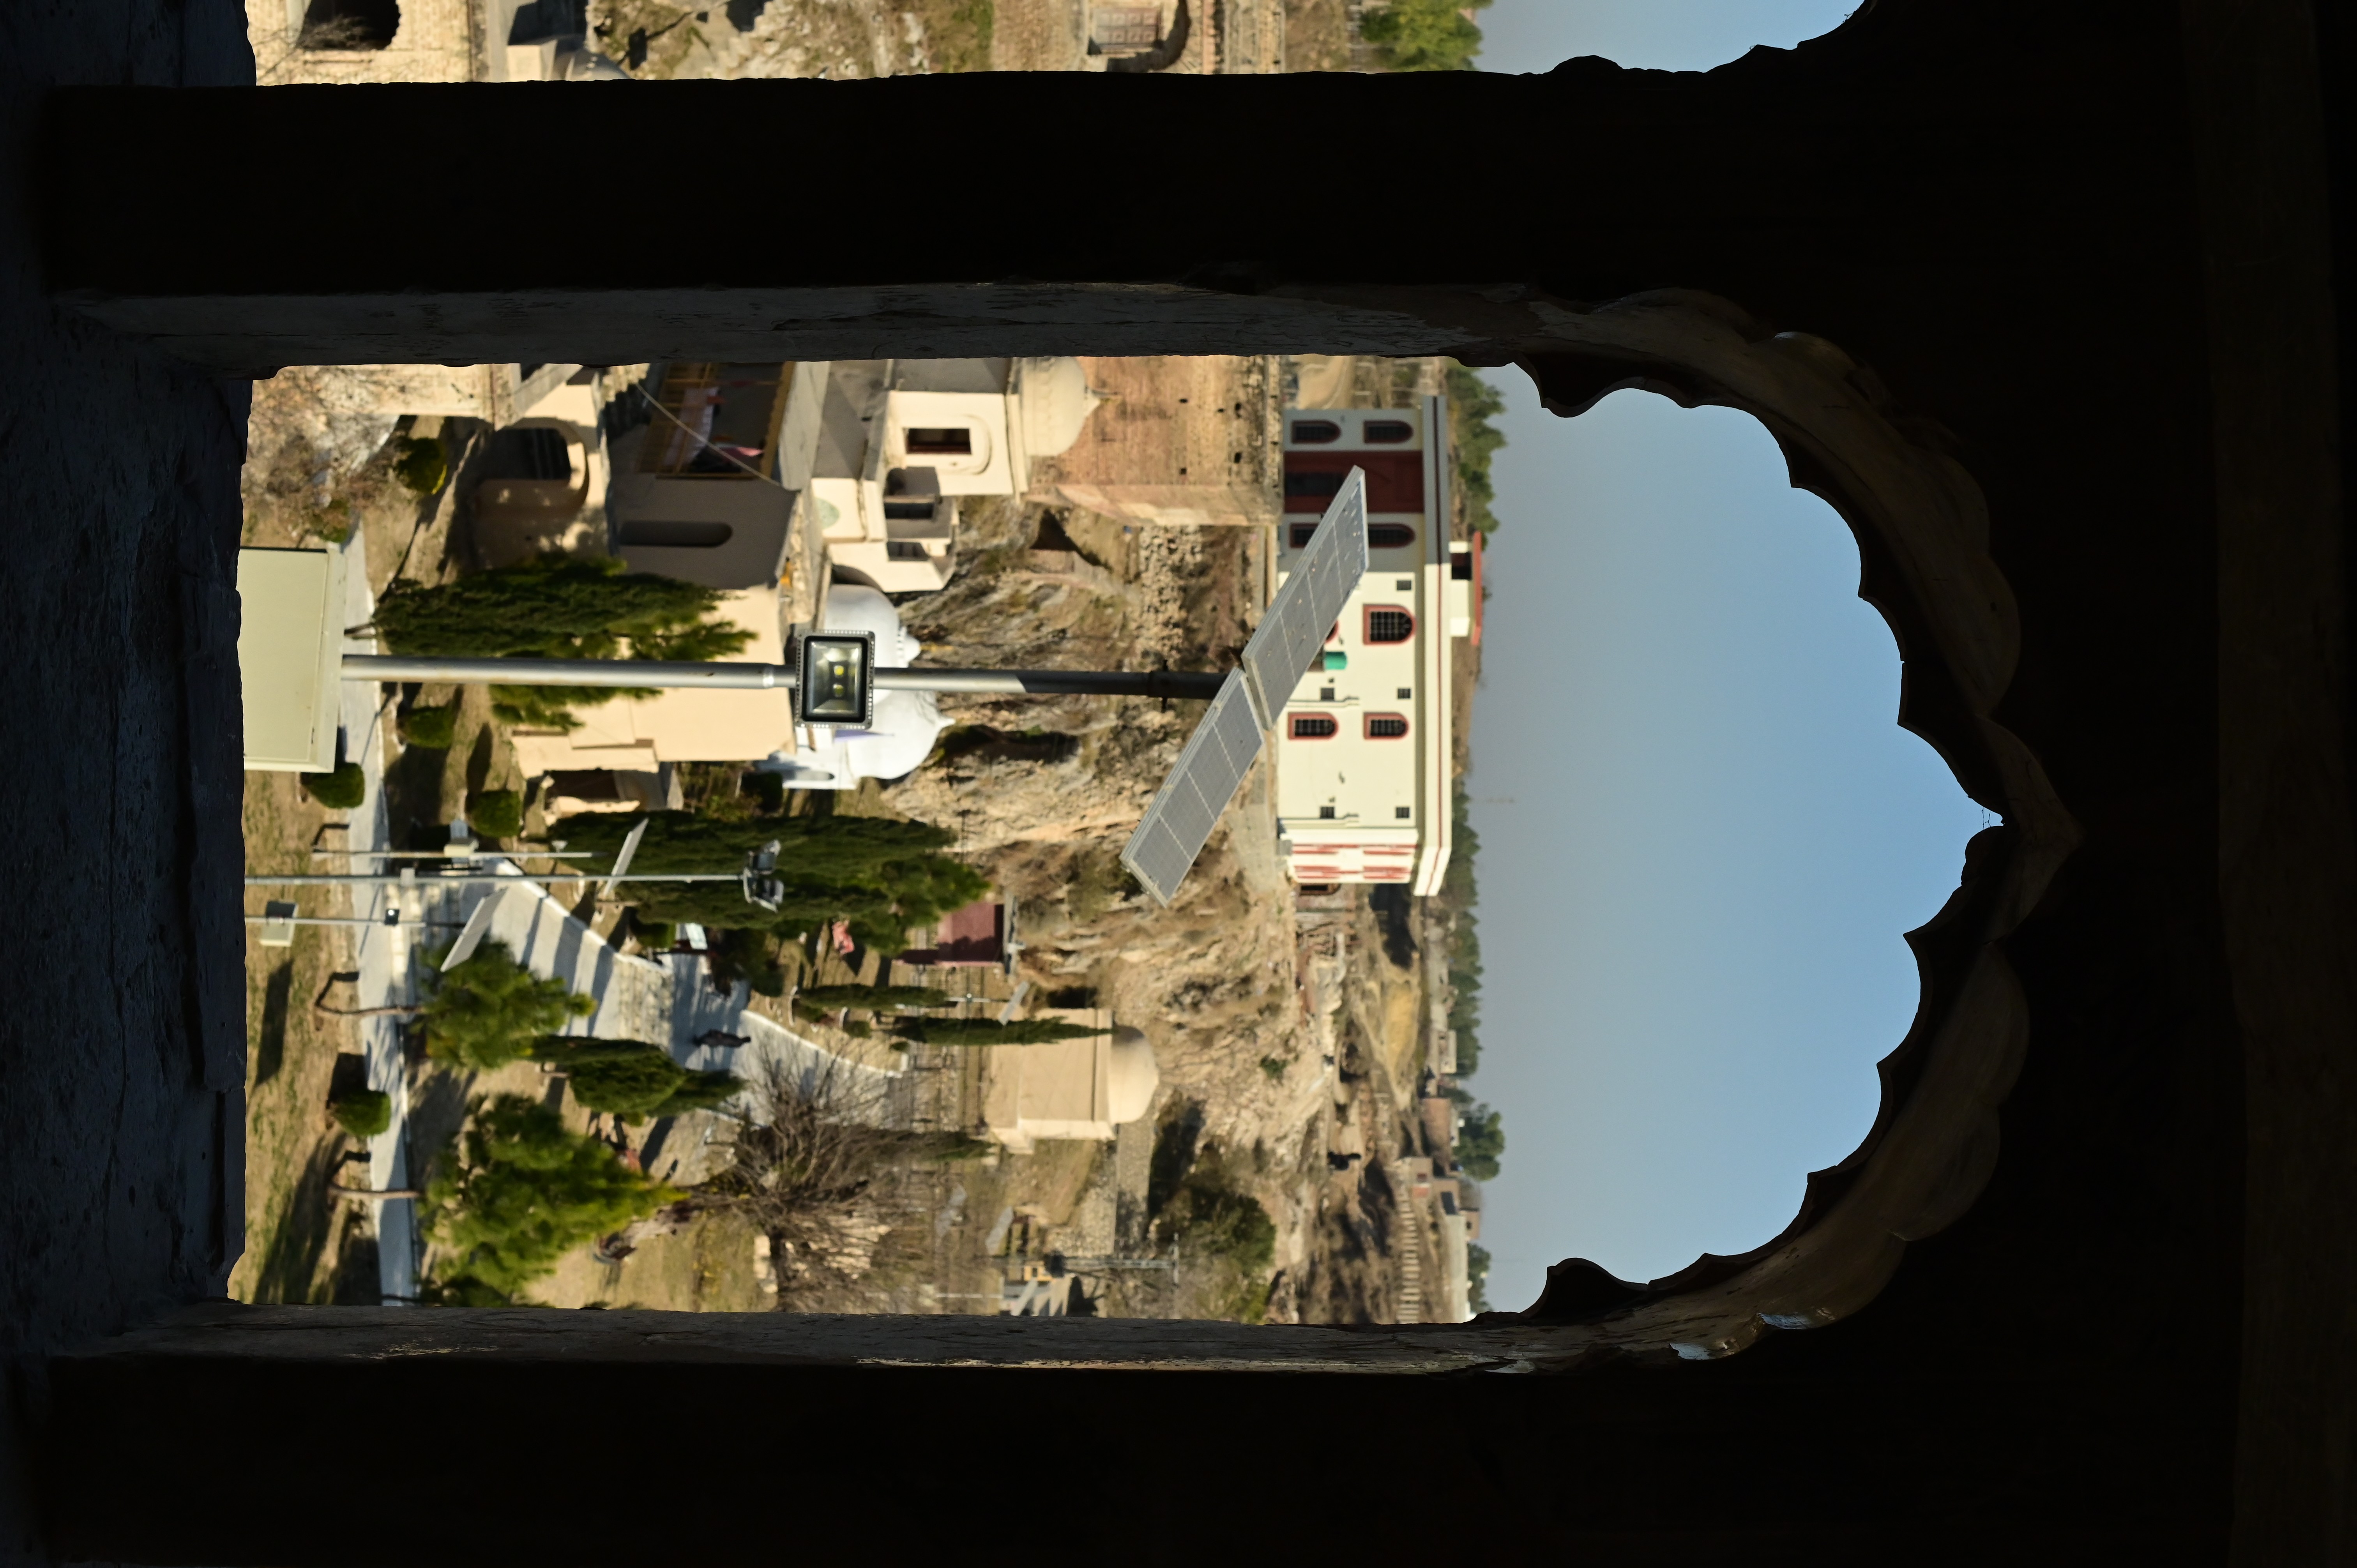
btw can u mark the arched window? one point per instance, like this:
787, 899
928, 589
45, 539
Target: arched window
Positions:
1386, 727
1390, 535
1387, 432
1389, 623
331, 26
1316, 432
1313, 727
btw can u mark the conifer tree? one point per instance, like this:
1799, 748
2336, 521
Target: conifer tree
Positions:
488, 1011
874, 997
525, 1193
881, 875
558, 607
990, 1032
633, 1080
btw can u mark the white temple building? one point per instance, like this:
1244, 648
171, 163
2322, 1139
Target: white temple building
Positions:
1364, 752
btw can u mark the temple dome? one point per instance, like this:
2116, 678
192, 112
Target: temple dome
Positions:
1132, 1079
1056, 402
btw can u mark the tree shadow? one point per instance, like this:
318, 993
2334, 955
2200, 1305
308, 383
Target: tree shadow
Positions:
291, 1261
270, 1043
356, 1281
1395, 915
478, 761
412, 798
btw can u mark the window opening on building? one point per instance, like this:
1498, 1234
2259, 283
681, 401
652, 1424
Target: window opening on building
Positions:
662, 536
1314, 727
1322, 486
1387, 432
1325, 813
1386, 727
1388, 623
713, 422
329, 26
1405, 692
1403, 812
1387, 535
947, 441
1316, 432
528, 452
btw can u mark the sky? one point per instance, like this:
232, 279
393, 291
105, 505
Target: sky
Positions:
1703, 833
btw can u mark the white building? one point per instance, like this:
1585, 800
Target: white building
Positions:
1364, 754
901, 440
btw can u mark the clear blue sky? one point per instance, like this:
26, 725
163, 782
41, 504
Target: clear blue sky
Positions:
1702, 832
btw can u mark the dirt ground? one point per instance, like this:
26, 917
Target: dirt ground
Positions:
308, 478
831, 39
1317, 36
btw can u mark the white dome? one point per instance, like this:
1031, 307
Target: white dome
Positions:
907, 723
1133, 1078
854, 608
1056, 402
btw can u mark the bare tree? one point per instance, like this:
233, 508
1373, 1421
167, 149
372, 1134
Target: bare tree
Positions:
807, 1166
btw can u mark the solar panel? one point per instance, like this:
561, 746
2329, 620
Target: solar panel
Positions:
1179, 821
1321, 581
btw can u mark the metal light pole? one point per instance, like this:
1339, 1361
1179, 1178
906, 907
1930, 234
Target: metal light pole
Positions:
679, 675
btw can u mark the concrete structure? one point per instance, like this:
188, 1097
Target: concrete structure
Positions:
1070, 1089
289, 653
1183, 439
706, 486
1363, 753
902, 439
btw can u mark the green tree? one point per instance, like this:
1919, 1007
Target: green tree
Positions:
990, 1032
420, 463
633, 1080
874, 997
1479, 1143
1425, 35
1477, 1276
557, 608
361, 1112
1212, 1218
1473, 405
525, 1193
488, 1011
882, 876
1457, 889
341, 790
496, 813
433, 728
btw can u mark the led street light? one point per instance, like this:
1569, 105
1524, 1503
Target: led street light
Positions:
835, 678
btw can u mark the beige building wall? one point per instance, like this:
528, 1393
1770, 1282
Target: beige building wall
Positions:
1071, 1090
640, 733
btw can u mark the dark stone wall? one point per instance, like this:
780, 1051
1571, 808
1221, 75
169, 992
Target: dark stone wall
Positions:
121, 1012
